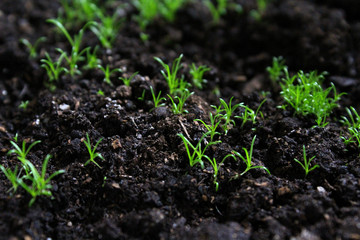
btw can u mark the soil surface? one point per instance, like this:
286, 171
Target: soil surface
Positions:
145, 188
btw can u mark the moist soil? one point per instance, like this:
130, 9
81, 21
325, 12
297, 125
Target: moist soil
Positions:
145, 188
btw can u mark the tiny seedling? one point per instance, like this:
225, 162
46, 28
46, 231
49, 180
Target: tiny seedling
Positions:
353, 126
276, 71
225, 111
142, 98
32, 48
92, 152
157, 99
261, 7
108, 73
168, 8
306, 163
53, 69
91, 59
148, 11
127, 80
249, 114
178, 108
217, 10
197, 74
24, 104
248, 160
100, 92
212, 127
12, 176
216, 166
77, 12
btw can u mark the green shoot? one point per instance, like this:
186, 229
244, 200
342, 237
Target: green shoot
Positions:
75, 13
148, 10
108, 73
157, 99
53, 69
276, 71
168, 8
176, 85
216, 10
12, 176
127, 80
261, 7
178, 108
212, 127
249, 114
32, 48
142, 98
39, 184
225, 111
92, 152
100, 92
91, 59
216, 166
248, 160
353, 126
24, 104
197, 75
306, 163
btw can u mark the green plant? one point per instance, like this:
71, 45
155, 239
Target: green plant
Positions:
148, 10
39, 184
212, 127
53, 69
32, 48
218, 9
168, 8
276, 71
157, 99
75, 13
197, 75
108, 73
216, 166
92, 152
127, 80
248, 159
176, 85
225, 111
306, 163
100, 92
261, 7
24, 104
249, 114
353, 126
12, 176
91, 59
178, 108
142, 98
307, 97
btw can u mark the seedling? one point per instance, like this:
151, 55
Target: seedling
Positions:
92, 152
39, 184
212, 127
157, 99
108, 73
276, 71
217, 10
77, 12
127, 80
12, 176
249, 114
248, 159
168, 8
261, 7
306, 163
100, 92
91, 59
142, 98
197, 75
225, 111
178, 108
32, 48
353, 126
53, 69
148, 10
176, 85
216, 166
24, 104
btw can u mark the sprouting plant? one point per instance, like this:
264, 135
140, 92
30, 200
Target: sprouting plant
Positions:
249, 114
91, 59
108, 73
148, 10
306, 163
197, 75
157, 99
176, 85
168, 8
216, 10
261, 7
276, 71
12, 176
225, 111
32, 48
92, 152
307, 97
75, 13
212, 127
100, 92
127, 80
248, 159
53, 69
39, 184
216, 166
142, 98
353, 126
24, 104
76, 55
178, 108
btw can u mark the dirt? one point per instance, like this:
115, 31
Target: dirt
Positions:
145, 188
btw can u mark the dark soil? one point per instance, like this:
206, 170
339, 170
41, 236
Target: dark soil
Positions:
150, 191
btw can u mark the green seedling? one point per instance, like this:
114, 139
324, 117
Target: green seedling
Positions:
32, 48
75, 13
307, 97
12, 176
306, 163
91, 59
168, 8
197, 74
142, 98
53, 69
216, 166
217, 10
178, 108
212, 127
127, 80
24, 104
100, 92
148, 11
176, 85
248, 160
261, 7
249, 114
353, 126
92, 152
157, 99
226, 111
276, 71
39, 184
108, 73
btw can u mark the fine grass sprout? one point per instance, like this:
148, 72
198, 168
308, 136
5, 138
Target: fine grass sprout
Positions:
107, 73
32, 47
178, 108
75, 13
276, 71
247, 159
92, 152
306, 164
53, 68
353, 125
249, 114
157, 99
211, 128
218, 9
127, 80
168, 8
12, 176
197, 74
226, 111
148, 11
23, 105
216, 166
92, 61
261, 7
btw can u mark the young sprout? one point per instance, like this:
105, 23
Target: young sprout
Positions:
23, 105
77, 12
261, 7
91, 59
168, 8
176, 85
178, 108
212, 127
39, 184
197, 75
353, 126
248, 160
142, 98
148, 10
92, 152
32, 48
53, 69
100, 92
249, 114
127, 80
306, 163
108, 73
157, 99
225, 111
216, 10
216, 166
276, 71
12, 176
